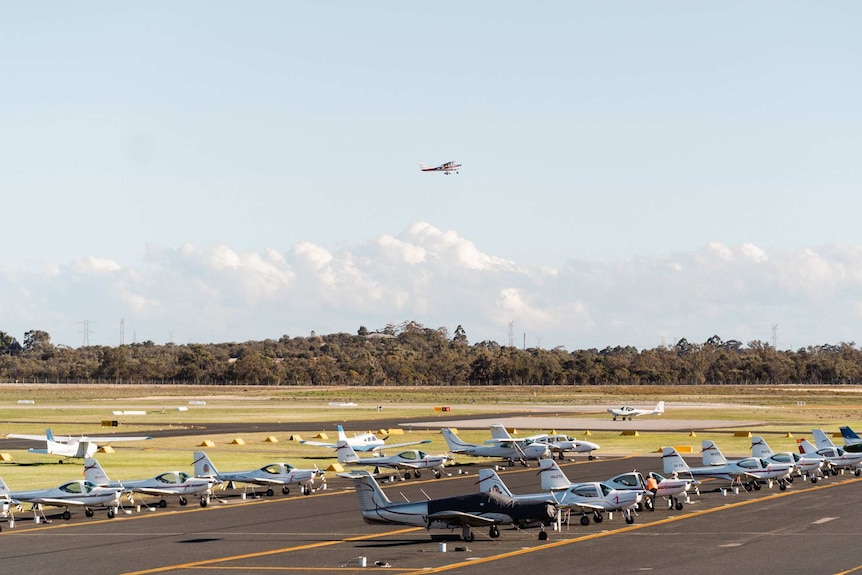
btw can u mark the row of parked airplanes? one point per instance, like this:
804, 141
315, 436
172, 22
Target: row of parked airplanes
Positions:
493, 506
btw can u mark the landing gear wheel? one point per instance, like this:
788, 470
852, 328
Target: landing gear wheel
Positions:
494, 532
417, 474
285, 490
813, 479
184, 501
512, 463
543, 535
598, 517
585, 520
834, 471
649, 504
467, 535
306, 490
782, 486
630, 518
436, 474
111, 513
757, 486
748, 487
858, 472
789, 479
591, 457
678, 505
270, 492
89, 512
561, 456
407, 475
66, 515
163, 503
204, 501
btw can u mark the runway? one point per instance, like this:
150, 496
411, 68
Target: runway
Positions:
805, 529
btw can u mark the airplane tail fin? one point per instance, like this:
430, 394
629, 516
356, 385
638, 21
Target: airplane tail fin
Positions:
659, 408
345, 453
672, 461
490, 482
4, 490
806, 447
203, 466
553, 478
821, 440
48, 435
453, 441
94, 473
341, 435
850, 436
711, 454
759, 447
499, 431
421, 165
368, 491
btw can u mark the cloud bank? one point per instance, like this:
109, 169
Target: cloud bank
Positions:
440, 279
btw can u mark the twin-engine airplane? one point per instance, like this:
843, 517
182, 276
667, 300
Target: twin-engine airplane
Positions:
411, 460
749, 471
81, 493
169, 483
446, 168
274, 474
465, 511
510, 449
363, 442
71, 447
627, 412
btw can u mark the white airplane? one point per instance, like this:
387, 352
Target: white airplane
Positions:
81, 493
627, 412
749, 471
837, 457
504, 448
465, 511
175, 483
282, 474
561, 444
363, 442
411, 460
71, 447
593, 497
811, 465
669, 488
446, 168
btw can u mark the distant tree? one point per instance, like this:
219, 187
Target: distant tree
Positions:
460, 335
8, 344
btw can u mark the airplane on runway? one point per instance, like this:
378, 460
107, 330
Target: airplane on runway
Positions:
175, 483
669, 488
837, 457
411, 460
71, 447
504, 448
79, 493
852, 442
363, 442
749, 471
561, 444
281, 474
627, 412
465, 511
811, 465
446, 168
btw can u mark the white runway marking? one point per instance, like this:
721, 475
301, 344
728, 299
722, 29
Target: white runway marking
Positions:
823, 520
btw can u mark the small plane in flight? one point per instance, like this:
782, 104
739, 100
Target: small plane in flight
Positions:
175, 483
363, 442
411, 460
465, 511
70, 447
749, 471
446, 168
811, 465
273, 474
837, 457
81, 493
627, 412
508, 449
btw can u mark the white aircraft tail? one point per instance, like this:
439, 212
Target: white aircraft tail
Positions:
821, 439
553, 478
711, 454
672, 461
345, 453
806, 447
203, 466
94, 473
490, 482
453, 441
341, 435
759, 447
422, 164
659, 408
4, 490
499, 431
370, 495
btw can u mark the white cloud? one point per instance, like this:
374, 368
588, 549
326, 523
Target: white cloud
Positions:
441, 279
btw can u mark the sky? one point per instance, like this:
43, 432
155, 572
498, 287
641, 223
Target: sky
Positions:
633, 173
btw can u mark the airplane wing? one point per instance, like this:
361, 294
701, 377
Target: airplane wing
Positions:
113, 439
57, 501
26, 436
461, 518
397, 445
318, 443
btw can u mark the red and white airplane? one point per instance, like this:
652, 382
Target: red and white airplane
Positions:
446, 168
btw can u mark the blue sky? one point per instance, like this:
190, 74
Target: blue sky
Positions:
634, 172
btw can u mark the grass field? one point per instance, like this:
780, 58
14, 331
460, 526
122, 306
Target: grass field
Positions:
80, 409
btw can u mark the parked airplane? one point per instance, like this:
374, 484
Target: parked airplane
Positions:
627, 412
446, 168
837, 457
561, 444
283, 474
71, 447
176, 483
80, 492
852, 442
592, 497
465, 511
408, 461
811, 465
749, 471
669, 488
503, 448
363, 442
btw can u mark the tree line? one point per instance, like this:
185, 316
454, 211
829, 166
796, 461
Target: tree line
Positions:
412, 354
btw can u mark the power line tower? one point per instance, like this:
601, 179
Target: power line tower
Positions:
86, 324
511, 334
